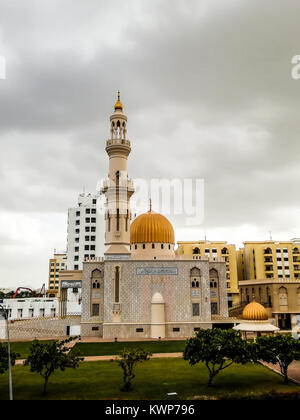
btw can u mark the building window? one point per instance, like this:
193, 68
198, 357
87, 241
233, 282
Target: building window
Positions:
176, 329
93, 220
162, 246
196, 309
96, 285
75, 267
214, 308
117, 284
95, 309
118, 220
87, 220
77, 213
283, 297
87, 211
135, 246
144, 246
153, 246
140, 330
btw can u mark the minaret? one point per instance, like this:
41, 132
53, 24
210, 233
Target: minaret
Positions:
118, 188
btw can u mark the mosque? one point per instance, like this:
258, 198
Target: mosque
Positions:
141, 289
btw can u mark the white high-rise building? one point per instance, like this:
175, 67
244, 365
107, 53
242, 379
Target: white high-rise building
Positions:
85, 232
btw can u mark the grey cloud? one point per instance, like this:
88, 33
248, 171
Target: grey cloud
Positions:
206, 86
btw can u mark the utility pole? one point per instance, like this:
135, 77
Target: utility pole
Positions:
4, 313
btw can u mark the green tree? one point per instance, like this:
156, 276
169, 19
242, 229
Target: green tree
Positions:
218, 349
128, 360
4, 358
46, 358
278, 349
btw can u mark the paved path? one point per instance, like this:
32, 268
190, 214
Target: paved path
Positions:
105, 358
293, 372
154, 356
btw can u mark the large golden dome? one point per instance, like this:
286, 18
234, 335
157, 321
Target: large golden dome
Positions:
151, 227
255, 312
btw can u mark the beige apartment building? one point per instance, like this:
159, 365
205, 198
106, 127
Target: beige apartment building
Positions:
56, 265
270, 272
269, 259
214, 250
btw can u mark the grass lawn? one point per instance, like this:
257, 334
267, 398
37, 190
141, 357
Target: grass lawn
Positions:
102, 380
109, 349
22, 348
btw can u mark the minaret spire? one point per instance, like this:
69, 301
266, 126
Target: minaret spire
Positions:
118, 104
118, 188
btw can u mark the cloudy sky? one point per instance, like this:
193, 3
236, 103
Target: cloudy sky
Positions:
208, 91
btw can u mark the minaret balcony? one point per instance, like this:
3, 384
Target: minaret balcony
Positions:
117, 142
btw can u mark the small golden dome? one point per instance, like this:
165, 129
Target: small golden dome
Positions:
151, 227
118, 104
255, 312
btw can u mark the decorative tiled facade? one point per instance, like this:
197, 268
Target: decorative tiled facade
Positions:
137, 290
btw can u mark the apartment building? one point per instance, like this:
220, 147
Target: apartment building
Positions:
269, 259
56, 265
85, 232
220, 249
270, 272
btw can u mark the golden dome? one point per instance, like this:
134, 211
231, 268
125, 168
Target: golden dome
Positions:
255, 312
151, 227
118, 104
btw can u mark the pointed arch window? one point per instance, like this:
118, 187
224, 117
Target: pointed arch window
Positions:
118, 220
283, 296
117, 285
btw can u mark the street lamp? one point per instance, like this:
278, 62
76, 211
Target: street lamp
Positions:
4, 314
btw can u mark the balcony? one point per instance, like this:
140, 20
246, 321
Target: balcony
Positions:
113, 142
225, 252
